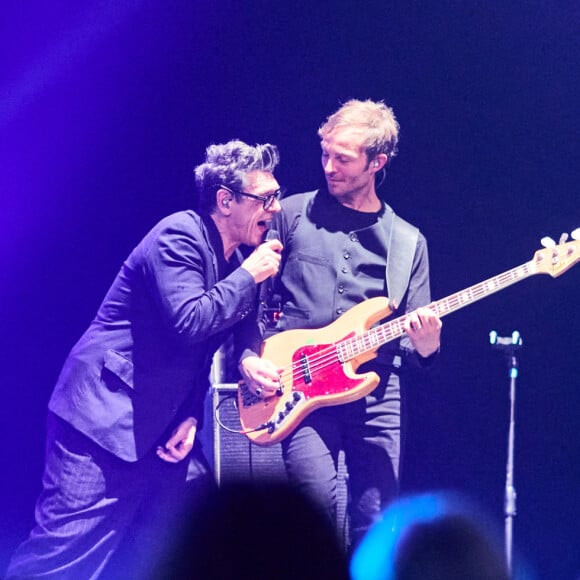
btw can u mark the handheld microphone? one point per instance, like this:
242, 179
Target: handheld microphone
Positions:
272, 235
267, 316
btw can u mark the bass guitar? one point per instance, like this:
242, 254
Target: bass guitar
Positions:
319, 365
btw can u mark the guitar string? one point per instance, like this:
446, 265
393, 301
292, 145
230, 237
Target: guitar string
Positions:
441, 308
351, 346
331, 354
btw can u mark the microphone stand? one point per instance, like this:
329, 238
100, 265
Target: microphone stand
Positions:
509, 346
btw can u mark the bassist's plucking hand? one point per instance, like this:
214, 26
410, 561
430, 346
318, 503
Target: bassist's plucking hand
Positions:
261, 376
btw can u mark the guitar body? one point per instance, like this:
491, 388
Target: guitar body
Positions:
316, 375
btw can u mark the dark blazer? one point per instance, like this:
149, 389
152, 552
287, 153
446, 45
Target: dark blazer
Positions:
143, 364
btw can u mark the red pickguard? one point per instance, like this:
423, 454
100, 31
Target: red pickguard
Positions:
327, 377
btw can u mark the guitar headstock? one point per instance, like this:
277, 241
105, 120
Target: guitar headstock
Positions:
555, 259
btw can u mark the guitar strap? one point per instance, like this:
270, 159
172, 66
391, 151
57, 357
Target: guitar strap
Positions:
401, 247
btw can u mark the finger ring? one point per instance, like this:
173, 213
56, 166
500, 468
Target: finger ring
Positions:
258, 391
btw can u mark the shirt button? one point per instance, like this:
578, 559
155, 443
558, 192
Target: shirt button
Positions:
346, 255
353, 238
340, 289
339, 310
344, 269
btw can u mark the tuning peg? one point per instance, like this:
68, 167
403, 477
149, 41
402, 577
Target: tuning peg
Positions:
548, 242
563, 238
576, 234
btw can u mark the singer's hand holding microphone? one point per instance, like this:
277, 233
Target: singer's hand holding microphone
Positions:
264, 261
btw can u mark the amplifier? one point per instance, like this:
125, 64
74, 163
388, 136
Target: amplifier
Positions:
233, 457
230, 453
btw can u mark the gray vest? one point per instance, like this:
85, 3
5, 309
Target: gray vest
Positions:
330, 269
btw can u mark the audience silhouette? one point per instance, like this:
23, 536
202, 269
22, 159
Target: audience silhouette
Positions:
430, 537
260, 531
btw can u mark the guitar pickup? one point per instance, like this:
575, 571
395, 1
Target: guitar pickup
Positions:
307, 376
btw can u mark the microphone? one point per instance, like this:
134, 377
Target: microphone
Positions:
267, 316
272, 235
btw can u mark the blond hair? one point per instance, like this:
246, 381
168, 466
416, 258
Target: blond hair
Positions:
376, 120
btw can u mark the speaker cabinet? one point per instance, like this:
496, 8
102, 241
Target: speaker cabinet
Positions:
231, 454
234, 458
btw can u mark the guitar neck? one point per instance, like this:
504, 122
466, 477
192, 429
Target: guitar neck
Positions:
482, 290
388, 331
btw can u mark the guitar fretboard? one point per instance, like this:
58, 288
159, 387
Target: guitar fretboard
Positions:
373, 338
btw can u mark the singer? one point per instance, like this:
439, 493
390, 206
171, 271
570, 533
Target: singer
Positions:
121, 437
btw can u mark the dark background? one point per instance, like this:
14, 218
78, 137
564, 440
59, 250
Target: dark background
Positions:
106, 107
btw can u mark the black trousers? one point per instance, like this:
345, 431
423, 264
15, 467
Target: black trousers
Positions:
369, 432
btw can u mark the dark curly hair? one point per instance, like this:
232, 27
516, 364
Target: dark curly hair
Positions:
227, 164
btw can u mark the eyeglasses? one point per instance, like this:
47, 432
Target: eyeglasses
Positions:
267, 200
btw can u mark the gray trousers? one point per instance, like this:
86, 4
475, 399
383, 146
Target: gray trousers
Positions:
101, 517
